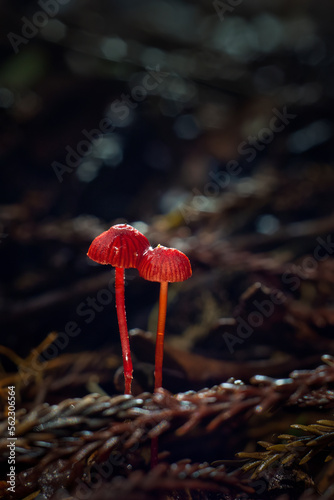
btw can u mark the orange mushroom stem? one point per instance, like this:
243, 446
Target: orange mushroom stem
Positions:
165, 265
159, 346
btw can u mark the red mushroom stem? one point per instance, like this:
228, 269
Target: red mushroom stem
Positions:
121, 246
123, 329
159, 349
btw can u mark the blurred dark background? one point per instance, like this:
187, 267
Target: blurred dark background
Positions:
160, 114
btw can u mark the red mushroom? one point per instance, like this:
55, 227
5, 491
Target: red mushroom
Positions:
166, 265
121, 246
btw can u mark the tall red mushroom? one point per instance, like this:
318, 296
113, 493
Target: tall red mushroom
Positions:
165, 265
121, 246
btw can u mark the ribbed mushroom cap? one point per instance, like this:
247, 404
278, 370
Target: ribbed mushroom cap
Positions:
121, 246
164, 264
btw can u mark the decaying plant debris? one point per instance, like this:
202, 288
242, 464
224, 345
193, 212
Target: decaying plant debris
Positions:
239, 417
254, 420
59, 446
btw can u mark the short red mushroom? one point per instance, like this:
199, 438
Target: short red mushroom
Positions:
165, 265
122, 247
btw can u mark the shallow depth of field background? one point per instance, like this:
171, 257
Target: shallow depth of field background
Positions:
185, 91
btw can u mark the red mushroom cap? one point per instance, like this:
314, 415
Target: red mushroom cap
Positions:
164, 264
121, 246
